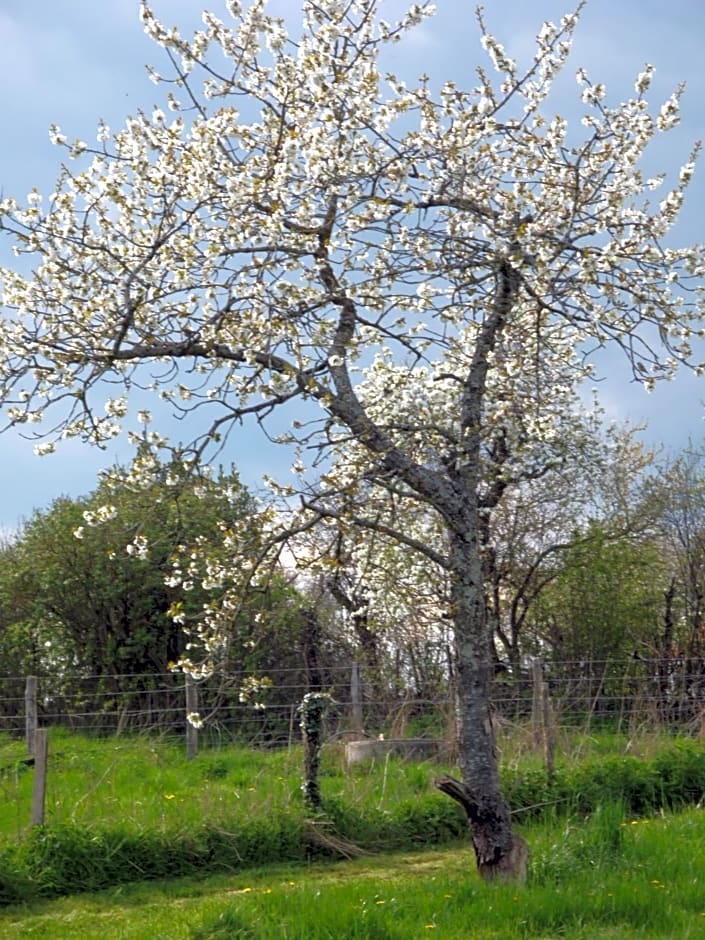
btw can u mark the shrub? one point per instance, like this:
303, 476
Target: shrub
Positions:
681, 774
71, 859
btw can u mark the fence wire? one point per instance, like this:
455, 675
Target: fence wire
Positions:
262, 710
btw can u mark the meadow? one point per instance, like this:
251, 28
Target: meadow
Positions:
148, 784
140, 841
609, 877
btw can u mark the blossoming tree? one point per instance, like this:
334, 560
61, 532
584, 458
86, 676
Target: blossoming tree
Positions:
431, 267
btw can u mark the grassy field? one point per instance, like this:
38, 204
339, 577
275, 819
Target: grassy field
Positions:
607, 877
123, 814
147, 783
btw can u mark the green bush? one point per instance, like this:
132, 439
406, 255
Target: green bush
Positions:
427, 820
70, 859
681, 774
676, 777
67, 859
626, 780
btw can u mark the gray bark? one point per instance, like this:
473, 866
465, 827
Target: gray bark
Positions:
489, 820
487, 809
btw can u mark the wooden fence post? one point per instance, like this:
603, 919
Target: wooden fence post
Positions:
191, 709
537, 702
39, 788
30, 712
542, 718
356, 698
549, 737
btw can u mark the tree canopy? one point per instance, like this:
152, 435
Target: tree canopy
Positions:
432, 267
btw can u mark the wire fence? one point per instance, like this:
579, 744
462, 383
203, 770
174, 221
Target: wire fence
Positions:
262, 710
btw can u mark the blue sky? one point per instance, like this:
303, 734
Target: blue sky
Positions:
73, 61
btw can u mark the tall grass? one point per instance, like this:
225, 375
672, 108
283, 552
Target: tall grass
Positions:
604, 877
150, 784
127, 809
608, 876
147, 783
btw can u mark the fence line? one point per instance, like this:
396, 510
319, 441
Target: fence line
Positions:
624, 692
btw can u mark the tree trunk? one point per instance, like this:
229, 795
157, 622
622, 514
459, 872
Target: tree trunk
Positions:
665, 647
511, 865
357, 605
498, 852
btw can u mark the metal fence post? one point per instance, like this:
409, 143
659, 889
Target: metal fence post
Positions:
356, 698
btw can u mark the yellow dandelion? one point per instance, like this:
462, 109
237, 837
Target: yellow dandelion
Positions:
169, 796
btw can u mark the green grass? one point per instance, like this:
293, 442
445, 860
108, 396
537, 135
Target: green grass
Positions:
146, 783
126, 809
149, 784
606, 877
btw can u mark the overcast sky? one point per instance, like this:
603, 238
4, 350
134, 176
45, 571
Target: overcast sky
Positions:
71, 62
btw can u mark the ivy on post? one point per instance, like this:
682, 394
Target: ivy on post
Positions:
313, 709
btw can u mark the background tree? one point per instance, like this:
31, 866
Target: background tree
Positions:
392, 599
403, 595
539, 520
601, 610
93, 570
304, 215
677, 649
86, 592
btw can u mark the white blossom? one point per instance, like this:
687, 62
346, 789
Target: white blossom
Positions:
300, 227
45, 448
643, 80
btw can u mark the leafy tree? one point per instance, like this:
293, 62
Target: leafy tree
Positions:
430, 267
604, 604
681, 492
677, 648
533, 533
92, 587
87, 576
